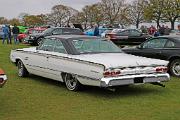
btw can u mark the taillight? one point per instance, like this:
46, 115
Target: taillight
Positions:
1, 72
112, 73
161, 69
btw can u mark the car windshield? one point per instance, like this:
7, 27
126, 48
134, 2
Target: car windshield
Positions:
95, 46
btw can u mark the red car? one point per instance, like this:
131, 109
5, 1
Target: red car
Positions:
30, 31
3, 78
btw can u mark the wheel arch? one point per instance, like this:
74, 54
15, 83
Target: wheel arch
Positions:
17, 60
173, 58
63, 74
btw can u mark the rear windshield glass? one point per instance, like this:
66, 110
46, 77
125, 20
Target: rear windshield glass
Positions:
95, 46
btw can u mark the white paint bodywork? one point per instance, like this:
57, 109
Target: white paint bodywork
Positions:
89, 68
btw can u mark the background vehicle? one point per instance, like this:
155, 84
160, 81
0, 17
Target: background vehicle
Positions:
22, 29
35, 30
90, 32
36, 38
84, 60
165, 48
1, 32
3, 78
127, 37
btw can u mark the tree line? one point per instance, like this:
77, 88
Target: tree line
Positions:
107, 12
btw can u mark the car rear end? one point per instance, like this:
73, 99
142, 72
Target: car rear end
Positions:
134, 75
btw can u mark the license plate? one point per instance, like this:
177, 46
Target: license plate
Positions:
138, 80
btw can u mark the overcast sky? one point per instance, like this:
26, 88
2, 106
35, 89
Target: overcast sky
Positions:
12, 8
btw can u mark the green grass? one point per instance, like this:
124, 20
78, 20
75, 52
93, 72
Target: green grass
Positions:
37, 98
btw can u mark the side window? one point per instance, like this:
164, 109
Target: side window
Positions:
170, 44
134, 33
47, 45
155, 43
59, 47
57, 32
123, 33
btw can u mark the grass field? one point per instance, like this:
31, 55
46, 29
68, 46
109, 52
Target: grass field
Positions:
37, 98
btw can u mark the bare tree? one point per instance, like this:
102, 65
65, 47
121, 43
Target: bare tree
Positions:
136, 11
3, 20
58, 15
154, 11
171, 11
61, 15
111, 9
71, 13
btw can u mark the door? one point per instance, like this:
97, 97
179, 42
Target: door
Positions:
57, 62
152, 48
39, 59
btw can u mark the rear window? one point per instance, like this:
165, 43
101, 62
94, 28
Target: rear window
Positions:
95, 46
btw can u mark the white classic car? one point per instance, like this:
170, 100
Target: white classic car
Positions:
3, 78
84, 60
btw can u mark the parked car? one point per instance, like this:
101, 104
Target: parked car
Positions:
84, 60
35, 39
35, 30
22, 29
90, 32
105, 33
128, 37
164, 47
3, 78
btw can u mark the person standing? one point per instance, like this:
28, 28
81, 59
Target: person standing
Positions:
161, 30
5, 34
178, 30
152, 30
10, 40
167, 30
96, 30
15, 32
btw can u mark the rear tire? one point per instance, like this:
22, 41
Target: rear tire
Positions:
22, 71
72, 82
174, 67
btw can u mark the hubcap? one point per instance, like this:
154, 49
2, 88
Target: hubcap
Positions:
176, 68
20, 68
71, 82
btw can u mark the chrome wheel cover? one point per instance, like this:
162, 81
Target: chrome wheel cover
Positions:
176, 68
20, 68
71, 82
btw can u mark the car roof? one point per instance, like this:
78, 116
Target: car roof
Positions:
63, 28
72, 36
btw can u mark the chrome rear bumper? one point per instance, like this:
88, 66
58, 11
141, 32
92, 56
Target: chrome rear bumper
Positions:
134, 79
